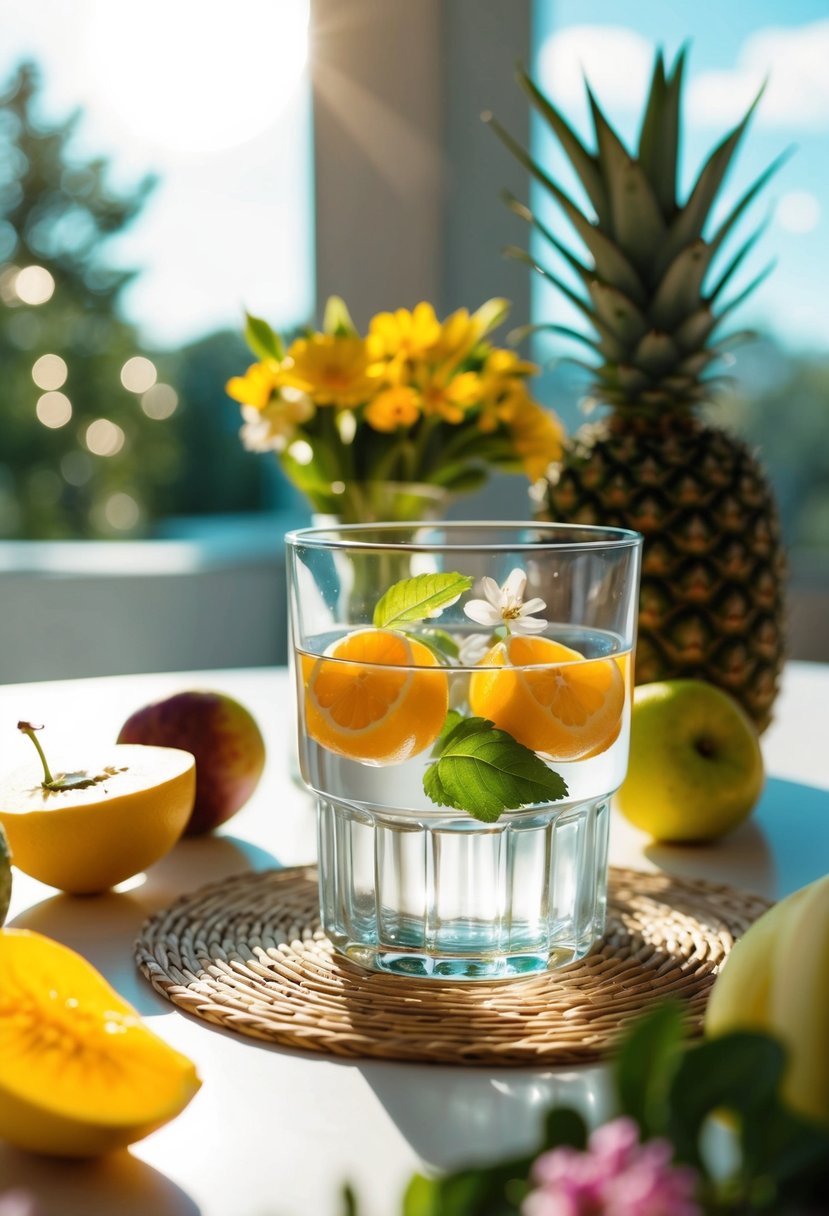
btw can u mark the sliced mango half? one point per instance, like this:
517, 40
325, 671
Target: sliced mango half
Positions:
80, 1073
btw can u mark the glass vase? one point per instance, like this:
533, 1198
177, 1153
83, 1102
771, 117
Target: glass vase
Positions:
371, 502
414, 878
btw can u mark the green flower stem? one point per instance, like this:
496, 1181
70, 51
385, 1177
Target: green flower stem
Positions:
428, 426
468, 438
28, 729
382, 471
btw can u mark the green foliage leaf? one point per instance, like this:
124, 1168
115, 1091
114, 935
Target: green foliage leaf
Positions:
645, 1063
491, 1191
349, 1201
337, 320
413, 599
563, 1126
461, 478
484, 771
739, 1072
421, 1197
261, 339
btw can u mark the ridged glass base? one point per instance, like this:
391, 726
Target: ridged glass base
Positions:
451, 898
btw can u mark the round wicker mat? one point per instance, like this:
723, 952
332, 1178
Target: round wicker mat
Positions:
248, 954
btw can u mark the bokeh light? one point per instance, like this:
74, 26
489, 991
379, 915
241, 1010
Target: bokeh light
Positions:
121, 511
76, 468
34, 285
50, 371
53, 410
160, 402
8, 276
798, 211
104, 438
138, 374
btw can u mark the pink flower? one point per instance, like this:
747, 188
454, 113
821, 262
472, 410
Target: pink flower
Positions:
615, 1176
17, 1203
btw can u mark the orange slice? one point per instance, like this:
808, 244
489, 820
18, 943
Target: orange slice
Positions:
369, 699
549, 697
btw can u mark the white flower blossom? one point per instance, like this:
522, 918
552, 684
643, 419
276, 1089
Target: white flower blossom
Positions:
473, 648
504, 606
275, 425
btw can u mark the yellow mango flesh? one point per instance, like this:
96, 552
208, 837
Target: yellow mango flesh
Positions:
80, 1074
88, 840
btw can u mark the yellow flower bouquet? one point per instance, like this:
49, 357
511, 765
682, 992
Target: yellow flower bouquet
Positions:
416, 403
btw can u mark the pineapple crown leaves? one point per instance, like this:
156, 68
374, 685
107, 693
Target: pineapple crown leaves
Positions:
645, 287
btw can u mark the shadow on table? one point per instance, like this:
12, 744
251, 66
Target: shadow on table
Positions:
119, 1183
765, 855
453, 1117
743, 859
103, 927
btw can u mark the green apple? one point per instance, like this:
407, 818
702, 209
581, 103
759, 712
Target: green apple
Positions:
695, 768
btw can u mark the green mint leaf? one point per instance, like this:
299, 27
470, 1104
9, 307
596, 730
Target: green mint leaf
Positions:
441, 644
261, 338
453, 719
484, 771
439, 639
413, 599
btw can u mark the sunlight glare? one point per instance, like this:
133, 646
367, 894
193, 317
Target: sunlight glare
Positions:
197, 76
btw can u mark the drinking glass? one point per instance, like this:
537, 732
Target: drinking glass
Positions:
463, 694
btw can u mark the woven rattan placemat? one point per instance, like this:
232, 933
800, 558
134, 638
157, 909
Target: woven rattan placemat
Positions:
248, 954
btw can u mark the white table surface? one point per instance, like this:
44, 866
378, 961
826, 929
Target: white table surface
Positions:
275, 1132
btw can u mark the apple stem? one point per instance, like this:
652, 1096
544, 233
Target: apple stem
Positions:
29, 728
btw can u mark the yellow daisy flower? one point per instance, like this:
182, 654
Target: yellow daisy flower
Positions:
393, 408
500, 362
450, 396
332, 370
404, 335
537, 435
256, 387
461, 332
503, 386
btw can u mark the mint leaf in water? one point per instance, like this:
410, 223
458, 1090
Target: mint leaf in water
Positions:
441, 644
413, 599
484, 771
453, 719
441, 641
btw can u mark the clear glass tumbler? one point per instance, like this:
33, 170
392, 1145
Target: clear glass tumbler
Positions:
463, 697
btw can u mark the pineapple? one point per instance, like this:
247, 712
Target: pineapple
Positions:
711, 603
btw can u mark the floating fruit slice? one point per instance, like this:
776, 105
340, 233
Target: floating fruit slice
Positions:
87, 838
80, 1074
369, 699
549, 697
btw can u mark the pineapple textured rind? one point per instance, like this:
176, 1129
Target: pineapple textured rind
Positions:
654, 291
711, 601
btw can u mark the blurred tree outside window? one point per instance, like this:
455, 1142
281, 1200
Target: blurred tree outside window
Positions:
147, 196
779, 400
